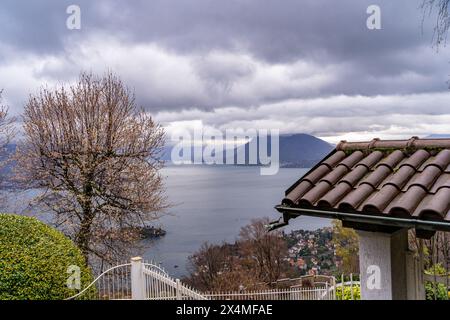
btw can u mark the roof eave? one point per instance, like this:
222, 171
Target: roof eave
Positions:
429, 225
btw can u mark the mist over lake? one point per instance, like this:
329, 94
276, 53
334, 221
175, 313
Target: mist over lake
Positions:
212, 203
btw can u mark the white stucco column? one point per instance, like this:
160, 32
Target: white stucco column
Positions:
387, 270
137, 279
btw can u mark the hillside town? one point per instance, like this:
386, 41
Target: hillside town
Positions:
311, 252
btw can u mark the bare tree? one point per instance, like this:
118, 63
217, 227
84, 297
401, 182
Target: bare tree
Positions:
264, 250
96, 157
255, 261
208, 263
7, 133
442, 24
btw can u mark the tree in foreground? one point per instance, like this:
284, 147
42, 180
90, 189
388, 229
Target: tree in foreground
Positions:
253, 262
35, 260
96, 157
345, 241
264, 251
7, 132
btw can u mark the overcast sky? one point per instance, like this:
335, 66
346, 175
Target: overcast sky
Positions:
308, 66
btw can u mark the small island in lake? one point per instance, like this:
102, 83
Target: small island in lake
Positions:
147, 232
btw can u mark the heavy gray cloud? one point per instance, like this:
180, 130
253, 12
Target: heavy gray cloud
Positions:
303, 66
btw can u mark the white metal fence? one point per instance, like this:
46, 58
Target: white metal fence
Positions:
112, 284
140, 280
348, 290
157, 285
276, 294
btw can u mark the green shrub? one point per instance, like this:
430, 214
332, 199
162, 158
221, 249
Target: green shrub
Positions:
34, 260
436, 291
441, 291
348, 293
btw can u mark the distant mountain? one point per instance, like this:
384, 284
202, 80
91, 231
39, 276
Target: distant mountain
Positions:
302, 150
296, 150
6, 168
438, 136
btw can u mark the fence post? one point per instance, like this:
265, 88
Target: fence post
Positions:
137, 279
351, 285
178, 290
334, 288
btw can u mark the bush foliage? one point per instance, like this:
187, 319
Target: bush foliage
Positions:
348, 293
34, 260
436, 291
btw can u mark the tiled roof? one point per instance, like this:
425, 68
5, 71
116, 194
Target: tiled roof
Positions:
401, 178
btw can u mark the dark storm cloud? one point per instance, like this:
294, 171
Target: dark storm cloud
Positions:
37, 26
273, 30
248, 56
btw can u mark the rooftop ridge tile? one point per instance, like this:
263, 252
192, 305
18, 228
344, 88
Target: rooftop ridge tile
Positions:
377, 144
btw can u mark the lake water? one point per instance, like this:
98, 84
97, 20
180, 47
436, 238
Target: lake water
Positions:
212, 203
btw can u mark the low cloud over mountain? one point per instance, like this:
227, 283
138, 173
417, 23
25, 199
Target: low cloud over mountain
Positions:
299, 66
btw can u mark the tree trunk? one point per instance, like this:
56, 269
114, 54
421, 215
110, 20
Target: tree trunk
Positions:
83, 236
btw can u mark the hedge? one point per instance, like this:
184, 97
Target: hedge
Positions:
34, 260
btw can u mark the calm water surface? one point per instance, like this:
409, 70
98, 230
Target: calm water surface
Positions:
213, 203
210, 203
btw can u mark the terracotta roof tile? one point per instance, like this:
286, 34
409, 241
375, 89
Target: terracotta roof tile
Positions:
314, 194
371, 159
407, 202
352, 159
392, 159
424, 179
437, 206
298, 192
334, 159
402, 178
376, 177
332, 197
355, 175
336, 174
381, 199
442, 181
352, 200
441, 160
315, 175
